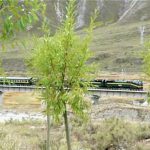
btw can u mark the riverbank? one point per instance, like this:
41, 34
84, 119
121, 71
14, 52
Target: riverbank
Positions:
22, 127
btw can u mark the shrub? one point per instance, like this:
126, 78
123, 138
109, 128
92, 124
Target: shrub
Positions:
112, 134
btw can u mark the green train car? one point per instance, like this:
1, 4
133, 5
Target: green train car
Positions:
16, 81
118, 84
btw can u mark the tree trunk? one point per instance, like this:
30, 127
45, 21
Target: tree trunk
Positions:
48, 132
67, 129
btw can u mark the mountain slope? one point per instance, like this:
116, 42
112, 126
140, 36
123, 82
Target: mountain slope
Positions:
116, 45
110, 10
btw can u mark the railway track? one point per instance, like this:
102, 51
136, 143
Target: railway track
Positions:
119, 92
99, 92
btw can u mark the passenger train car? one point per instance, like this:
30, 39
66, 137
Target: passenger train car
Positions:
16, 81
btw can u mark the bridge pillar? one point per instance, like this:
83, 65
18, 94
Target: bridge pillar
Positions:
1, 98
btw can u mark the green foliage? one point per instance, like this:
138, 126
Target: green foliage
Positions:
146, 58
143, 132
112, 133
18, 15
146, 62
1, 69
60, 62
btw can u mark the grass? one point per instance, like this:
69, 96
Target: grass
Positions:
112, 133
21, 135
21, 101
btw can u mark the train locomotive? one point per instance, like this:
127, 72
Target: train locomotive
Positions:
118, 84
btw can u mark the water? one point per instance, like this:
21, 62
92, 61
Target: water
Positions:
142, 29
143, 103
6, 115
80, 18
100, 4
17, 116
132, 4
123, 73
59, 12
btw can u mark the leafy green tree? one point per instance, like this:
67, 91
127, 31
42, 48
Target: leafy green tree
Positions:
59, 62
17, 15
146, 58
146, 62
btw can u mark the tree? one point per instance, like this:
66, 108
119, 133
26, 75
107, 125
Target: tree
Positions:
146, 62
17, 15
146, 58
59, 61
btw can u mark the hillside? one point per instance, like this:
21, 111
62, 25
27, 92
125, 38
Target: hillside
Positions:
115, 48
118, 47
120, 11
116, 44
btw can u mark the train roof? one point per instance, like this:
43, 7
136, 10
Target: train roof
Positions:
16, 78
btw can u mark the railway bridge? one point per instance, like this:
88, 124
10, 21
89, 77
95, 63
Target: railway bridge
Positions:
97, 92
119, 93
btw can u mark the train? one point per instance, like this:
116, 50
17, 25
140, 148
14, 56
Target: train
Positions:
96, 83
117, 84
16, 81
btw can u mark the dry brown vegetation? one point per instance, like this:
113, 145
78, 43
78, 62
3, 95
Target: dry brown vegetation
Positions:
111, 134
21, 101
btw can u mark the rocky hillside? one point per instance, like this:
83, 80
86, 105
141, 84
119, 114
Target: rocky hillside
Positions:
117, 45
111, 11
